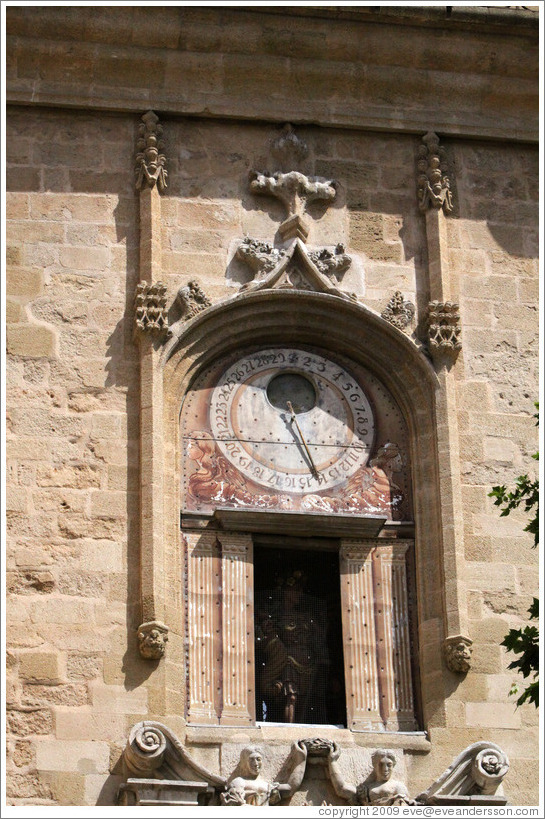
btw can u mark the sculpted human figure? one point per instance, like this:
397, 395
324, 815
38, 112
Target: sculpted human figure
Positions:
251, 788
379, 789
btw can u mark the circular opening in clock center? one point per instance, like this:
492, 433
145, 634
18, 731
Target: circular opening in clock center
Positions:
294, 388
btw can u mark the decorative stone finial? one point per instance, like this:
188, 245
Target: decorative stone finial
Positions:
399, 312
433, 182
458, 654
151, 307
444, 328
150, 161
289, 149
152, 640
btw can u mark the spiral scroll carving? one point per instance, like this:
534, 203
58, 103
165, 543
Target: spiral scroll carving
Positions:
145, 748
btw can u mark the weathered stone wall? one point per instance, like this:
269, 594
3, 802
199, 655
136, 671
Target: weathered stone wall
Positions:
76, 683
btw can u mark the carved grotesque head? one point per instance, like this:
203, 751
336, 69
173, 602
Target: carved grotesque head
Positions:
458, 656
152, 639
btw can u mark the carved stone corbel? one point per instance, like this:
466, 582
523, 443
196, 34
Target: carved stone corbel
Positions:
444, 329
433, 182
398, 311
458, 652
151, 308
150, 161
152, 640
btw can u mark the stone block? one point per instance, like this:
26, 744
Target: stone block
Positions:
492, 715
108, 504
116, 699
14, 311
85, 258
70, 694
85, 724
41, 666
61, 610
23, 282
30, 340
83, 757
26, 723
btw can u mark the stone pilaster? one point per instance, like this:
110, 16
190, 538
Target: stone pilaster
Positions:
393, 636
203, 627
238, 699
359, 637
445, 345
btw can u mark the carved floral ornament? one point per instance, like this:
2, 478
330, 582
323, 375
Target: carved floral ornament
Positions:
444, 328
151, 307
398, 311
161, 771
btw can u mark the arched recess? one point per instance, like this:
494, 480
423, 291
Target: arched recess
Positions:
289, 317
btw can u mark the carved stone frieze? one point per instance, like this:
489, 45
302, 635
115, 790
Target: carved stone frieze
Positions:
398, 311
433, 183
249, 787
475, 777
458, 654
261, 257
191, 300
152, 640
444, 328
151, 307
150, 159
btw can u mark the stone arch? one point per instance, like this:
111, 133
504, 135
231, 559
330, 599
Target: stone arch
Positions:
332, 323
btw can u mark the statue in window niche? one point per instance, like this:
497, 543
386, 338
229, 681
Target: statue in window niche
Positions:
250, 788
292, 653
378, 789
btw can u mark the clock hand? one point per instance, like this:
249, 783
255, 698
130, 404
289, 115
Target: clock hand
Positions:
294, 419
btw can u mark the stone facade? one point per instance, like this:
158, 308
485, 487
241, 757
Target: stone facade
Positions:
439, 304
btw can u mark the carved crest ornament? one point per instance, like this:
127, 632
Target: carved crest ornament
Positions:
159, 770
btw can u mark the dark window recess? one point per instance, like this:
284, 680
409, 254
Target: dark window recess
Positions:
298, 629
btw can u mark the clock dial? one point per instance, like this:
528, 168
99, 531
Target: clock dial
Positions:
291, 420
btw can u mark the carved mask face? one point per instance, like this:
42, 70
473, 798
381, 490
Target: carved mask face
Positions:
254, 762
383, 768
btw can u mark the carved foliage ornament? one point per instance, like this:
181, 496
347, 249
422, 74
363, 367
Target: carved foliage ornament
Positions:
398, 312
433, 182
444, 328
150, 160
192, 300
151, 307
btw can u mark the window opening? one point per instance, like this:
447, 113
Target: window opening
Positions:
298, 628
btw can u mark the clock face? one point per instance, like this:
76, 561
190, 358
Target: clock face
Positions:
291, 420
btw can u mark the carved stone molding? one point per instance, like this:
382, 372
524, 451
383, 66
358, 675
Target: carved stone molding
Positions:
433, 182
475, 776
150, 161
152, 640
458, 653
299, 269
444, 328
398, 311
191, 299
151, 307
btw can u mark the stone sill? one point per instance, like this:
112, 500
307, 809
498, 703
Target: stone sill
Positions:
285, 734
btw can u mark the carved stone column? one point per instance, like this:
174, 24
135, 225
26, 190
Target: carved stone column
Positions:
393, 638
435, 201
238, 699
150, 324
359, 637
204, 627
